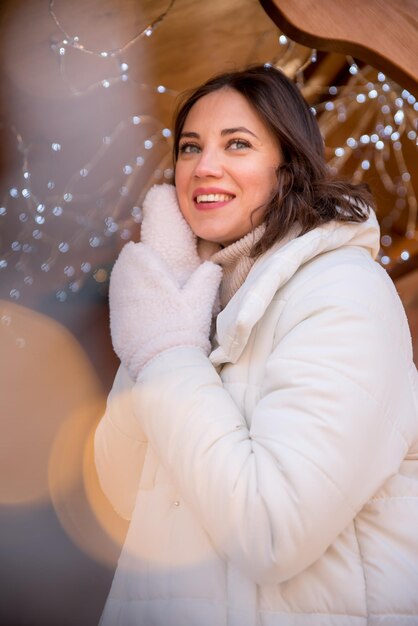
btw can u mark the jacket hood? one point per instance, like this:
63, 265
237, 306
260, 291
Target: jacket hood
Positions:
274, 269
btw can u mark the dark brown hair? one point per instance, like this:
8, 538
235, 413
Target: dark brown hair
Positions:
305, 193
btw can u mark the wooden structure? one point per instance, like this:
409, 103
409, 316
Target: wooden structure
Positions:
380, 32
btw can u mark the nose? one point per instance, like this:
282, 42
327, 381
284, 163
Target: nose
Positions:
208, 165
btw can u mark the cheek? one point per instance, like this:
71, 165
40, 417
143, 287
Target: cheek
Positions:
182, 197
183, 176
260, 185
177, 178
180, 183
268, 183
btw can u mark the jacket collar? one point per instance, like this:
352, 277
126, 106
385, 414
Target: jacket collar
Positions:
273, 270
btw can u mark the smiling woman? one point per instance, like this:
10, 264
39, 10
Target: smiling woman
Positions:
268, 461
288, 135
226, 168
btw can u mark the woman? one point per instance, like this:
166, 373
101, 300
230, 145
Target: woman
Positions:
271, 476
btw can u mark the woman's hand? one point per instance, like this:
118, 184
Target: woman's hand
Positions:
165, 230
150, 312
161, 295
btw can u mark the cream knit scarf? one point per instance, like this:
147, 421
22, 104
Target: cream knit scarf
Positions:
236, 263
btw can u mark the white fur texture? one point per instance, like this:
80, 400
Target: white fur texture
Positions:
166, 231
150, 312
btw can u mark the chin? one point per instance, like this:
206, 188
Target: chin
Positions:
217, 230
222, 239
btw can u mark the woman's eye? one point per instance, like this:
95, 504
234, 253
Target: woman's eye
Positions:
239, 144
187, 148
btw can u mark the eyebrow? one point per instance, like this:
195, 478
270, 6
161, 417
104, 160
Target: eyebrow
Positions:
225, 131
238, 129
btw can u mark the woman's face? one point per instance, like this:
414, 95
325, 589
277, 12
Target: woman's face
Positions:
226, 167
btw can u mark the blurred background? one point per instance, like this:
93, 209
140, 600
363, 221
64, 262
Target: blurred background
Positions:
88, 89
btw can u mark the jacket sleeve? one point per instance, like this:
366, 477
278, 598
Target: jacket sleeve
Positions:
327, 431
120, 446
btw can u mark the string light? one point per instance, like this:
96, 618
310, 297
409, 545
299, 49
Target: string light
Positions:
72, 42
378, 138
40, 210
387, 120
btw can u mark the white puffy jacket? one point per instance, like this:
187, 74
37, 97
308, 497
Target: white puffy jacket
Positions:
276, 482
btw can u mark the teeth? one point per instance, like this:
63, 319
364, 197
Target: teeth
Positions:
213, 197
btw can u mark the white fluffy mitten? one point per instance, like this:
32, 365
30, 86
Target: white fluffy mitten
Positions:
165, 230
150, 312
